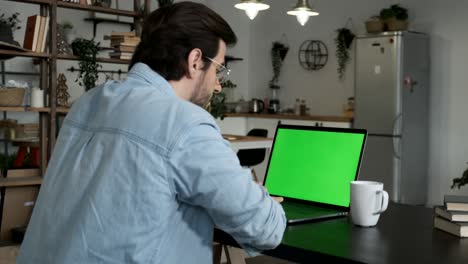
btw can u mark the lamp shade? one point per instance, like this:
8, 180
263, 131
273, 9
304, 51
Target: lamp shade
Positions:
251, 7
302, 11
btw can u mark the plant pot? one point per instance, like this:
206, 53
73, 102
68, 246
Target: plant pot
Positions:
394, 24
374, 26
103, 3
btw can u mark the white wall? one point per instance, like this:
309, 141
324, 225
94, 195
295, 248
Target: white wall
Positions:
445, 21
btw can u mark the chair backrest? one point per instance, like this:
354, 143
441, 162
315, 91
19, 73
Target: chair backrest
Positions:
252, 157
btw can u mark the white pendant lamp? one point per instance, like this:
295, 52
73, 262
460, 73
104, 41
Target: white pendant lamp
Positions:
302, 11
252, 7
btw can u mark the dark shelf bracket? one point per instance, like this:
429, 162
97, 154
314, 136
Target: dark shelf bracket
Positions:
97, 21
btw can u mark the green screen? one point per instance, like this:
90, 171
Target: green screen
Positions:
314, 165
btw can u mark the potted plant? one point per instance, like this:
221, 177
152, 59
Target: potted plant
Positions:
343, 41
86, 50
218, 106
374, 24
12, 22
395, 17
102, 3
459, 182
7, 26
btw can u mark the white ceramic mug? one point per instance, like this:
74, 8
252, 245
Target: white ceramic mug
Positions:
368, 201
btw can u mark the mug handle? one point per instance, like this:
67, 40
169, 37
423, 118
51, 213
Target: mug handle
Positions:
384, 202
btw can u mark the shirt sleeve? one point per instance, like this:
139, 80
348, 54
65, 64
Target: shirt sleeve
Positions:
208, 174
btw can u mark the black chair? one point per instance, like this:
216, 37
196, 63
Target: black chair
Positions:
252, 157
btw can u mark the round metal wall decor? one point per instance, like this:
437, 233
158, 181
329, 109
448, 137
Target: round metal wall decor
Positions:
313, 55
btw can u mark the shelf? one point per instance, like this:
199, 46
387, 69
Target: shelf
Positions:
43, 2
20, 181
62, 110
108, 20
24, 53
32, 109
96, 21
99, 9
13, 108
293, 117
103, 60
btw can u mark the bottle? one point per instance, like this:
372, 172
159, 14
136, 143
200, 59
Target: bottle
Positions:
297, 107
302, 107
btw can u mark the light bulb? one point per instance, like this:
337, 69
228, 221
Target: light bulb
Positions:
251, 13
302, 17
251, 7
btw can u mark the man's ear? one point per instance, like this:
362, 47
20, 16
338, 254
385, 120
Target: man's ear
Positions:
195, 63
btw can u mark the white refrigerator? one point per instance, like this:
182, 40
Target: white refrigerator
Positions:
391, 102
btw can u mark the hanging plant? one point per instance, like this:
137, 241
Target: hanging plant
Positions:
278, 53
86, 50
343, 41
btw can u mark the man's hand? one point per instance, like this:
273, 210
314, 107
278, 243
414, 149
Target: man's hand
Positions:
276, 198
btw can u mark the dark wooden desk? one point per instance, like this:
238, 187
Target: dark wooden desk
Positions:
404, 234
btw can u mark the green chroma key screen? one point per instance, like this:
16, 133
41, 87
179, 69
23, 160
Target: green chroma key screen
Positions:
314, 165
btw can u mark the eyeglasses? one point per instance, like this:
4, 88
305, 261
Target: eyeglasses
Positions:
222, 72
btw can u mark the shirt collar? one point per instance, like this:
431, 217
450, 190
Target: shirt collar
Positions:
141, 70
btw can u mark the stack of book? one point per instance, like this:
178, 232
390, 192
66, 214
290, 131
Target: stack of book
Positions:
82, 2
35, 35
124, 44
453, 216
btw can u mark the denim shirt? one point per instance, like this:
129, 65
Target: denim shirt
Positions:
139, 175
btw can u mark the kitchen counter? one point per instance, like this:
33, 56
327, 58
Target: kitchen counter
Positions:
293, 117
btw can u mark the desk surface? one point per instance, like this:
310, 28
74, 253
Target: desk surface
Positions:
404, 234
248, 142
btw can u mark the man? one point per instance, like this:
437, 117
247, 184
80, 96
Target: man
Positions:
140, 172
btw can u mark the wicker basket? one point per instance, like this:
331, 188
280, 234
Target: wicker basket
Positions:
11, 96
374, 26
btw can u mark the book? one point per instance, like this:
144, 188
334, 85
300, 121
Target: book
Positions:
40, 36
45, 34
118, 53
454, 228
126, 33
456, 202
455, 216
31, 32
124, 48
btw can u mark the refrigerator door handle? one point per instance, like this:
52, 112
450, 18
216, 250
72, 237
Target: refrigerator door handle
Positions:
397, 135
396, 147
396, 127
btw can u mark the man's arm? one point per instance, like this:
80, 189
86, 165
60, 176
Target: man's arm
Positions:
208, 174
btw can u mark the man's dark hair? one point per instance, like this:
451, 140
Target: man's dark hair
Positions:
171, 32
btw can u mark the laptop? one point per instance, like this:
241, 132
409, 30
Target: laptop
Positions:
311, 168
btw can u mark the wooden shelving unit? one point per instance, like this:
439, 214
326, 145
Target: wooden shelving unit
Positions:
24, 53
103, 60
48, 116
99, 9
23, 181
